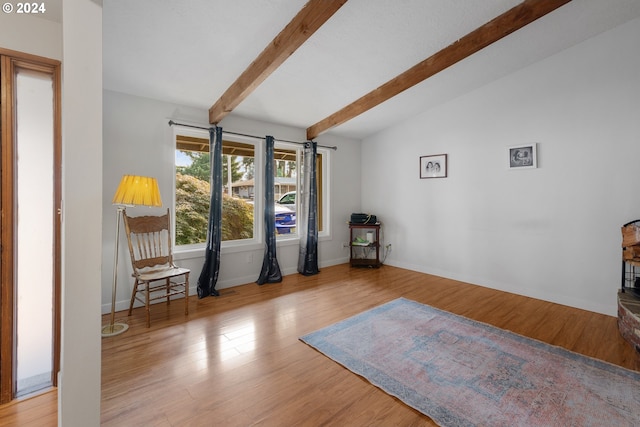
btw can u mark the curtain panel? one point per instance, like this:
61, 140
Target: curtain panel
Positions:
209, 275
270, 272
308, 215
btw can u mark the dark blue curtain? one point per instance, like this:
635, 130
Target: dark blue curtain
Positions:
308, 218
209, 275
270, 269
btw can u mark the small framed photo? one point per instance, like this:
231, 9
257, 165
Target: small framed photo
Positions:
523, 157
433, 166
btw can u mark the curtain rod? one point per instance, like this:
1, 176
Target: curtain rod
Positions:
171, 123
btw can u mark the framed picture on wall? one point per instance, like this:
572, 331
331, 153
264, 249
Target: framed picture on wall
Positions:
433, 166
523, 157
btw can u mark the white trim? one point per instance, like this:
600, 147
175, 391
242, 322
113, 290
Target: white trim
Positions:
326, 191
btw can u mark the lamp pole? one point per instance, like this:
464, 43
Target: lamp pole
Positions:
114, 328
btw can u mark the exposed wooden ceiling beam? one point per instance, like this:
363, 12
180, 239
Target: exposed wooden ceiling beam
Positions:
302, 26
505, 24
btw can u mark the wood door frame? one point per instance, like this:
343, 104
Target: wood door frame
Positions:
10, 61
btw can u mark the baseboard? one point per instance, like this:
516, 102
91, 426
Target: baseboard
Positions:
223, 284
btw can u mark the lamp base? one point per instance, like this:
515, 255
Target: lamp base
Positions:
115, 329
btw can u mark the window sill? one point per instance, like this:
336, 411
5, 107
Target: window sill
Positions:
197, 251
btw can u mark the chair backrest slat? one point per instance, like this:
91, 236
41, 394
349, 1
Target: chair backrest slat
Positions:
149, 239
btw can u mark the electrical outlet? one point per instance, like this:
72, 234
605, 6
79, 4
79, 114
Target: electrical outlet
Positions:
388, 247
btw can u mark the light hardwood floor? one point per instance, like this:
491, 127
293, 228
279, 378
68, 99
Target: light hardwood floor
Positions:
237, 361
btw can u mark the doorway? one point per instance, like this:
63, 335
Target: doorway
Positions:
30, 200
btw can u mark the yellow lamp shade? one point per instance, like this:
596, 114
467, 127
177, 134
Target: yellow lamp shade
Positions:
137, 190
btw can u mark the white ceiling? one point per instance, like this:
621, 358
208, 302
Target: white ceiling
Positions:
190, 51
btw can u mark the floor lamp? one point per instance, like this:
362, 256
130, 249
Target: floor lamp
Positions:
132, 191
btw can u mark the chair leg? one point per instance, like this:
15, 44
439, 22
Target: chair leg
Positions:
146, 303
133, 295
186, 294
168, 284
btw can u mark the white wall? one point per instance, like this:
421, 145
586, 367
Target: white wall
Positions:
30, 34
553, 232
138, 140
79, 391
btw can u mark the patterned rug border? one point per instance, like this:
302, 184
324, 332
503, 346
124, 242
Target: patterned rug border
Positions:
393, 387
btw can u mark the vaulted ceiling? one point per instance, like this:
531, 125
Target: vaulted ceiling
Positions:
190, 52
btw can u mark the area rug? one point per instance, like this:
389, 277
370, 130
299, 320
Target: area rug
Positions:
460, 372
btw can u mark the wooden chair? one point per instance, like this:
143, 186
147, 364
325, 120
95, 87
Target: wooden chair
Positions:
156, 276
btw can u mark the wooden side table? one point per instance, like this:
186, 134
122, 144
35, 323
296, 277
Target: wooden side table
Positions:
364, 245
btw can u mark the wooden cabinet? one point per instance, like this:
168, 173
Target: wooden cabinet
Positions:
364, 245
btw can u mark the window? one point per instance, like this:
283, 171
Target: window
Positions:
193, 190
288, 198
242, 192
285, 183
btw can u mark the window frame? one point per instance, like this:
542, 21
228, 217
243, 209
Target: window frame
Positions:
324, 226
258, 232
290, 146
257, 206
